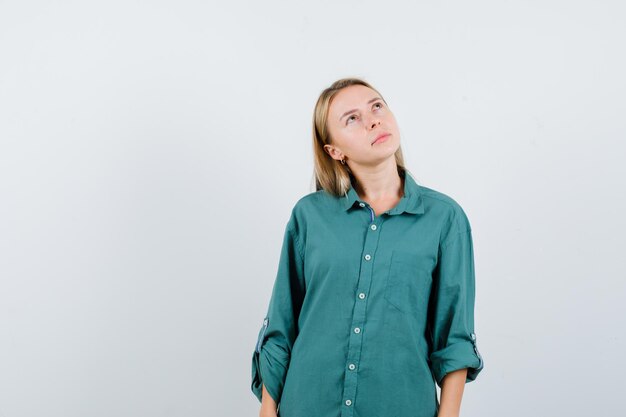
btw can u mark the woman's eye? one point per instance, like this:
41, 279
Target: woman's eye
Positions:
379, 104
350, 117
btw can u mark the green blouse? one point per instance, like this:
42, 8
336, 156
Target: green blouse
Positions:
368, 312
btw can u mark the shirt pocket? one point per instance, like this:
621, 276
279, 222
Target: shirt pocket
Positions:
408, 282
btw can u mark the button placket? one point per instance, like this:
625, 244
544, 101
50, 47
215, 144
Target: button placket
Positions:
359, 319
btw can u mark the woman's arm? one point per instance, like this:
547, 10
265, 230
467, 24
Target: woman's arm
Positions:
277, 335
452, 393
268, 405
451, 305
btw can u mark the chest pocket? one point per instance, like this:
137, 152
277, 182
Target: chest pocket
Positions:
408, 283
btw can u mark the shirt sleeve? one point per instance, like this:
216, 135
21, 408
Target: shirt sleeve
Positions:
277, 335
451, 321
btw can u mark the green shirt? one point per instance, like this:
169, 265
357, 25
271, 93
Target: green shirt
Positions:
368, 312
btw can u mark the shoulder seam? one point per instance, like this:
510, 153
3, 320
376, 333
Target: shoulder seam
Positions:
443, 200
458, 213
458, 233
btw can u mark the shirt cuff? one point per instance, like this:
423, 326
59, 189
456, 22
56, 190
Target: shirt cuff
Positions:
457, 356
269, 368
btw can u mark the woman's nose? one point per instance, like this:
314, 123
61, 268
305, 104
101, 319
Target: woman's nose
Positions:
373, 123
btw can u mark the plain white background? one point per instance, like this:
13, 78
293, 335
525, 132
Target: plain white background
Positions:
151, 152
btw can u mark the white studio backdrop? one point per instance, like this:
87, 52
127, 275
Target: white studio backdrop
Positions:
151, 152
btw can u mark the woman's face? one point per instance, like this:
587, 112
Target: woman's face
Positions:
357, 116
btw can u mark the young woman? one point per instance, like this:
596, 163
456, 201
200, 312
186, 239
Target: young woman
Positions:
373, 302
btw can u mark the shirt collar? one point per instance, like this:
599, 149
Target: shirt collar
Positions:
411, 201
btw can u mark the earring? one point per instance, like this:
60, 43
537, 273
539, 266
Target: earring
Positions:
343, 162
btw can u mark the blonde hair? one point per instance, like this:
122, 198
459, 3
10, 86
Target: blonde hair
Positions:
330, 174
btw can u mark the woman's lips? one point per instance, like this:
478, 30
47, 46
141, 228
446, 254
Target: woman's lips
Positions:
381, 139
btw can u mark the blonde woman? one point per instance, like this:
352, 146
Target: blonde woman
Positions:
373, 302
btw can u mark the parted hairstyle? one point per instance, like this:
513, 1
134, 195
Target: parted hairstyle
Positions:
330, 174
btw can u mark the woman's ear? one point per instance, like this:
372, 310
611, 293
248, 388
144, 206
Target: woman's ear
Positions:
333, 152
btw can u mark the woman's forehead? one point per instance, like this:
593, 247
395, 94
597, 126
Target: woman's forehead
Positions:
352, 97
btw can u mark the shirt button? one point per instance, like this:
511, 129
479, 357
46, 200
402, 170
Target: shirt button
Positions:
361, 204
348, 402
373, 227
473, 336
357, 330
351, 366
368, 257
265, 321
362, 296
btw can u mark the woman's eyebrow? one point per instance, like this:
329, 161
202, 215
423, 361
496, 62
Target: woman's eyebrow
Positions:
353, 110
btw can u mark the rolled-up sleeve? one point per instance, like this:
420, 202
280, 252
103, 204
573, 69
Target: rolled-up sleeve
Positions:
270, 360
451, 309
